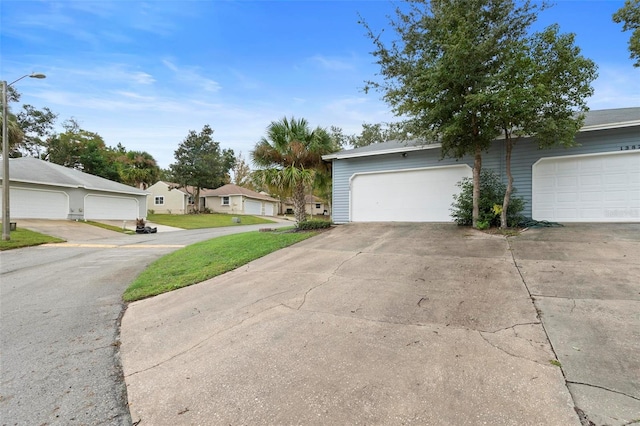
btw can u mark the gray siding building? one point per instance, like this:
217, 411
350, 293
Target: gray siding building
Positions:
596, 181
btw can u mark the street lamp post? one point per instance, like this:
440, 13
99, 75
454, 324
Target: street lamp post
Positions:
6, 230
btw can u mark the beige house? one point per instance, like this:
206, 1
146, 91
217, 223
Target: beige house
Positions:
167, 198
233, 199
312, 205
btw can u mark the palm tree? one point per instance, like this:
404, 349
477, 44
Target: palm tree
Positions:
290, 156
14, 133
139, 169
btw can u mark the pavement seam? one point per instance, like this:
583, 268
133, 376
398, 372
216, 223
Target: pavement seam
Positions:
533, 302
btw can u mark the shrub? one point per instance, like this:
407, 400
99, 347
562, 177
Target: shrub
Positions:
491, 196
308, 225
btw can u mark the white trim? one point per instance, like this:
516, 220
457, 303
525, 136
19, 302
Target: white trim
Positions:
399, 150
591, 154
608, 126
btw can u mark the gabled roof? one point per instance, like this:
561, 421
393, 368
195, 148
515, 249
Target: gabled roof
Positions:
36, 171
594, 120
175, 187
231, 189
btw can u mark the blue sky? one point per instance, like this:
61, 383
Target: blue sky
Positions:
144, 73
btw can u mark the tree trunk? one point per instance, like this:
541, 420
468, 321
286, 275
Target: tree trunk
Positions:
507, 193
196, 200
298, 203
477, 165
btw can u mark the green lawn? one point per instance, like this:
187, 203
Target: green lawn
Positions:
207, 259
25, 238
204, 220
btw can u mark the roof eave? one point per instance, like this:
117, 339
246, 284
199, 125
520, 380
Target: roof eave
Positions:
346, 155
400, 150
88, 188
609, 126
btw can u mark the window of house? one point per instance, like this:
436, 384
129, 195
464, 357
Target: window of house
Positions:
225, 201
159, 201
190, 200
317, 205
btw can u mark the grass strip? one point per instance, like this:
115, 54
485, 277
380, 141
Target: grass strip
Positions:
204, 220
207, 259
25, 238
109, 227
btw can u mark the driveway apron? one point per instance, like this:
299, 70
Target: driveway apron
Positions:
364, 324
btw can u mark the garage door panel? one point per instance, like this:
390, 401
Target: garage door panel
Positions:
37, 204
252, 207
591, 188
422, 195
101, 207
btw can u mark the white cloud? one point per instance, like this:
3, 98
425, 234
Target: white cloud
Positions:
616, 87
193, 76
332, 63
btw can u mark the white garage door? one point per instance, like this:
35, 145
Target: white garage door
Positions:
587, 188
252, 207
110, 208
268, 209
37, 204
418, 195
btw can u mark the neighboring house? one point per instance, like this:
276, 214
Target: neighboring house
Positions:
596, 181
167, 198
234, 199
43, 190
312, 206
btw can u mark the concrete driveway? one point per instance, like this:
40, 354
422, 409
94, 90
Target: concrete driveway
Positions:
399, 324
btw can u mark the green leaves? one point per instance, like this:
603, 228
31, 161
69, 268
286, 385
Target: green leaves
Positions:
200, 163
629, 15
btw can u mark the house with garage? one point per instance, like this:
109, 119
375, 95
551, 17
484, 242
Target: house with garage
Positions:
234, 199
42, 190
169, 198
312, 205
598, 180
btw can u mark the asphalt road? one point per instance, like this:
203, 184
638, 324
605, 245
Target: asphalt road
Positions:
60, 310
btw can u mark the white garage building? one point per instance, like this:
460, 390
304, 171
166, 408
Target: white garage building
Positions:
43, 190
596, 181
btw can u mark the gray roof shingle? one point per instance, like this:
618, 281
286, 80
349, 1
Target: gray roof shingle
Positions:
33, 170
231, 189
594, 120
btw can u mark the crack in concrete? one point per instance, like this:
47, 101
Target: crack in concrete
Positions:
509, 353
333, 274
204, 340
604, 388
511, 327
251, 316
